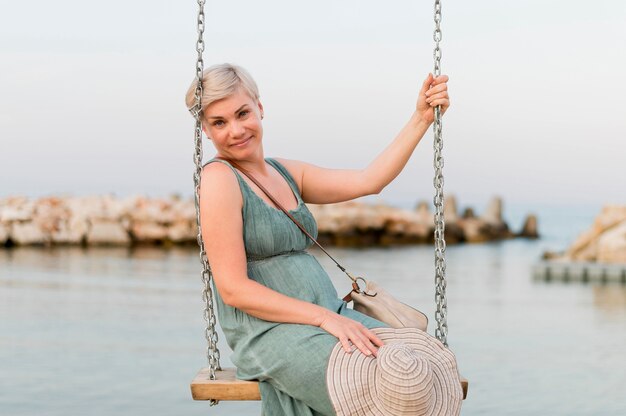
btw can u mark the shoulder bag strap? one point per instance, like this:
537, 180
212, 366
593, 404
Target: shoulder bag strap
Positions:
355, 285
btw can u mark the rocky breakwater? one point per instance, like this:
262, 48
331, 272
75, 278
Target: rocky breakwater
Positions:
107, 220
356, 224
97, 220
604, 242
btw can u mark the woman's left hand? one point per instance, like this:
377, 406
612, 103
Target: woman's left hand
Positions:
434, 92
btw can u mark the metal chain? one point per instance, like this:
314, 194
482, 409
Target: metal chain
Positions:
210, 333
441, 314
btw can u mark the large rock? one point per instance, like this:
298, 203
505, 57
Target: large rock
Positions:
474, 230
16, 209
495, 228
49, 213
530, 228
144, 231
106, 207
450, 214
585, 247
407, 223
493, 214
107, 232
72, 231
423, 213
152, 211
27, 233
4, 234
611, 245
182, 231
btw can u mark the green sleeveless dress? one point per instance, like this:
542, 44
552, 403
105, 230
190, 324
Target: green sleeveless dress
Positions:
289, 360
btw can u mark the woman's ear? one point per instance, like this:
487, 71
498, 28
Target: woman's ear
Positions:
205, 129
260, 108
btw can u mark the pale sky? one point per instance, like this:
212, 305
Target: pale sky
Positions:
92, 93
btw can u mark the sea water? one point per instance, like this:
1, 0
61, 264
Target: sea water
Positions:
117, 331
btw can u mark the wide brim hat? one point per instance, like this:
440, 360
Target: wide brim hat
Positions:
414, 374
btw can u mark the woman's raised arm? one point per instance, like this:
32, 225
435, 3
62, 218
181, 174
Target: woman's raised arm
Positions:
322, 186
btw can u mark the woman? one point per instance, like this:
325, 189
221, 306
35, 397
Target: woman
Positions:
277, 307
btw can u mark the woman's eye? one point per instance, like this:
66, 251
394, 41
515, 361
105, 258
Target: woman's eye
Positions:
218, 123
243, 113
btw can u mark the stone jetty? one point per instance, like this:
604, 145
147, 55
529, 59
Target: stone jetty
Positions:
108, 220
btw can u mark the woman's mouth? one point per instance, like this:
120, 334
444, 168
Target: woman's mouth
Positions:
243, 143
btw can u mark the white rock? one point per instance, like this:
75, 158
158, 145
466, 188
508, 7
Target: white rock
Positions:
49, 213
493, 214
27, 232
148, 231
424, 215
16, 209
152, 210
105, 232
72, 231
181, 231
183, 210
450, 214
114, 208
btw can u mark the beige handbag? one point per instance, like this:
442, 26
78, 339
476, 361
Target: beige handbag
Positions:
373, 301
379, 304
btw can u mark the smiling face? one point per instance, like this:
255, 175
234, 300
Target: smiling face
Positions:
234, 125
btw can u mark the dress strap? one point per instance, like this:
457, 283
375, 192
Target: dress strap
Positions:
285, 173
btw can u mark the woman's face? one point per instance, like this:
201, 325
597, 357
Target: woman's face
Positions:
234, 125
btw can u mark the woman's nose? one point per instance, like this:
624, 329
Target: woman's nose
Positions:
237, 129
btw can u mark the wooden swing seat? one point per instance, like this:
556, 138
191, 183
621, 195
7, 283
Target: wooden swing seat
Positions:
227, 387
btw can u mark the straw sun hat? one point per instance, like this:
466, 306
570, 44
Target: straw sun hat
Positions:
414, 374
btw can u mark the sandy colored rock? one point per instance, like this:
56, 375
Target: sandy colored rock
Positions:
106, 207
530, 228
450, 214
469, 213
183, 210
27, 233
494, 226
408, 223
473, 230
72, 231
585, 246
49, 213
611, 246
147, 210
493, 214
4, 234
16, 209
107, 232
143, 231
424, 215
182, 231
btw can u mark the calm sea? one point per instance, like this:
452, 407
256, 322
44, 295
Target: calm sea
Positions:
114, 331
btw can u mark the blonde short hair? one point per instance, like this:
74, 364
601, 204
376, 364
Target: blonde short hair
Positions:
220, 81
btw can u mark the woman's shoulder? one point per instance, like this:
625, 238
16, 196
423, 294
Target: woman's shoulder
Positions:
218, 168
218, 178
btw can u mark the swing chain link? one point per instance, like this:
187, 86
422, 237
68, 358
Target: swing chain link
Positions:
441, 313
210, 332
